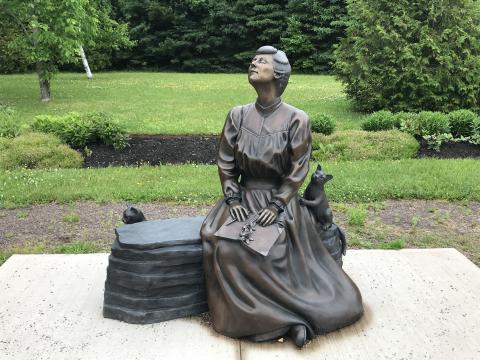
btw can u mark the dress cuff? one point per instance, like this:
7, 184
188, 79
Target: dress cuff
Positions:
232, 198
277, 204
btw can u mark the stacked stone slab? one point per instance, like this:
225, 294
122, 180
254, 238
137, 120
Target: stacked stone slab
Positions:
155, 272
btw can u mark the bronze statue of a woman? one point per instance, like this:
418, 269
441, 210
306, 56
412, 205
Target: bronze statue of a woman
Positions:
297, 290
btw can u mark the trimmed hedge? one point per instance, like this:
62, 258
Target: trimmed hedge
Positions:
363, 145
322, 124
79, 130
37, 151
380, 120
463, 123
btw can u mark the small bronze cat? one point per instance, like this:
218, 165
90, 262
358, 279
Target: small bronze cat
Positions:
315, 198
132, 215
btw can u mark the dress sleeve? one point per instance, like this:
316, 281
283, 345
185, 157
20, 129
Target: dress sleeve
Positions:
300, 147
227, 169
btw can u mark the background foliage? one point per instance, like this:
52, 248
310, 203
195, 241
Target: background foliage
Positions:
411, 56
195, 35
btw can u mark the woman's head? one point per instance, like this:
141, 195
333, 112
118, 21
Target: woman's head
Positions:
270, 64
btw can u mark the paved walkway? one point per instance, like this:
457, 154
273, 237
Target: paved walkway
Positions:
420, 304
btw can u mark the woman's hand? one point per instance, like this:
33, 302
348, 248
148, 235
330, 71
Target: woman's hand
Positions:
237, 211
267, 216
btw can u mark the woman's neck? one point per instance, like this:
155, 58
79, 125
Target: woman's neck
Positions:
267, 94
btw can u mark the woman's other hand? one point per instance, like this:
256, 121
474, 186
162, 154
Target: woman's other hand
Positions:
237, 211
267, 216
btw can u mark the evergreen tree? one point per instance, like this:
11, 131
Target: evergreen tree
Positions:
411, 56
314, 28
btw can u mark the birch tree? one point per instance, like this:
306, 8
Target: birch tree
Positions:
52, 32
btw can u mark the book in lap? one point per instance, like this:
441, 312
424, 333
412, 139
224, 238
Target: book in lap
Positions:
256, 238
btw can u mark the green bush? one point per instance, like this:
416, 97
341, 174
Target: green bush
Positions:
463, 123
425, 123
363, 145
37, 151
9, 126
381, 120
411, 55
322, 124
433, 123
79, 130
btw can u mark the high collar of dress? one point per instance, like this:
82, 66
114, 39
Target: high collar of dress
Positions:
266, 110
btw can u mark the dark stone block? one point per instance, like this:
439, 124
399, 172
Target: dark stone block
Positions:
149, 317
152, 267
155, 272
174, 255
149, 282
148, 235
167, 292
155, 303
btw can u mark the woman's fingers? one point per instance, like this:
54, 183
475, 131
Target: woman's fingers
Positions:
262, 216
244, 213
239, 213
270, 218
232, 214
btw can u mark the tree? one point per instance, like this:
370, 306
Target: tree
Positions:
411, 56
313, 29
52, 32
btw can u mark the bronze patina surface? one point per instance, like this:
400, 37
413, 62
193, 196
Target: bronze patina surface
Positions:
298, 289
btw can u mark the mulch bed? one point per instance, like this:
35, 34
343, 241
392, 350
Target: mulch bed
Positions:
164, 149
155, 150
449, 150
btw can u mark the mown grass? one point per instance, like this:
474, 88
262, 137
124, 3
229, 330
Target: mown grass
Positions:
360, 181
169, 103
362, 145
77, 247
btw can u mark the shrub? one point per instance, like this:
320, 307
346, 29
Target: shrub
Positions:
79, 130
463, 123
411, 56
380, 120
9, 127
425, 123
322, 124
433, 123
363, 145
37, 151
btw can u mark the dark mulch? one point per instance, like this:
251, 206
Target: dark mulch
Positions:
449, 150
163, 149
155, 150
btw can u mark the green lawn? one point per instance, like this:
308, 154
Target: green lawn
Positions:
361, 181
169, 103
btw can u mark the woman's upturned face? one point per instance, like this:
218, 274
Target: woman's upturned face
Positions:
261, 69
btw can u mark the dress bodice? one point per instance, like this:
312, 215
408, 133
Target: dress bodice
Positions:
265, 143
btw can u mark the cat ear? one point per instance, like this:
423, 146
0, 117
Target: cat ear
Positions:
329, 177
319, 167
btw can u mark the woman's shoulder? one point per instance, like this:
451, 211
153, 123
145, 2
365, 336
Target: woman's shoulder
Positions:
295, 114
237, 113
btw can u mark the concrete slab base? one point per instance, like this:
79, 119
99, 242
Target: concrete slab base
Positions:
420, 304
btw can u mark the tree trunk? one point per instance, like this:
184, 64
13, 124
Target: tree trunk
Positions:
85, 63
44, 83
44, 90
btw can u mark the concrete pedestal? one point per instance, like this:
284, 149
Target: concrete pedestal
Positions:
420, 304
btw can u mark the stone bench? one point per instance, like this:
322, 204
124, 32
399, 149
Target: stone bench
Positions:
155, 272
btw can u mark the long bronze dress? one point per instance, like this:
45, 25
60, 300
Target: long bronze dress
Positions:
263, 156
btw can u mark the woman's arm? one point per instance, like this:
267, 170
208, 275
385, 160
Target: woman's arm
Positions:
300, 146
227, 170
